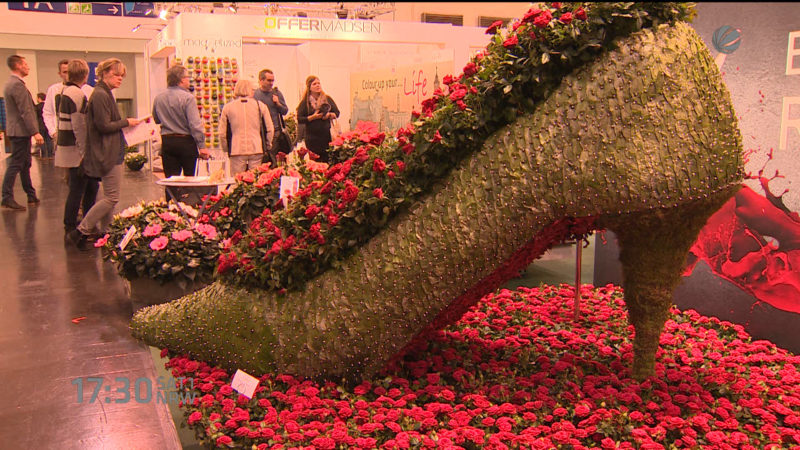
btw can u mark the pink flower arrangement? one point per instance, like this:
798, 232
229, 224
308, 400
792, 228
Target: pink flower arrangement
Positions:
159, 243
517, 371
152, 230
181, 235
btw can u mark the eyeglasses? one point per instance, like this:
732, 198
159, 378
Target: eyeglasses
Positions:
269, 79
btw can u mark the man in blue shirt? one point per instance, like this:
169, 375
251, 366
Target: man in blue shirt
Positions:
269, 95
182, 137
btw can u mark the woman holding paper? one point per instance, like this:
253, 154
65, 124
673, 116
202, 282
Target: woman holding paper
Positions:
105, 149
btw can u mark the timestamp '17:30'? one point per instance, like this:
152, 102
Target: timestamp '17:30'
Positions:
142, 390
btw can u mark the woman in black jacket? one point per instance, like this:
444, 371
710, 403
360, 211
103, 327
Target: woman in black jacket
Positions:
316, 110
105, 149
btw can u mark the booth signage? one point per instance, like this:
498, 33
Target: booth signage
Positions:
103, 9
52, 7
320, 25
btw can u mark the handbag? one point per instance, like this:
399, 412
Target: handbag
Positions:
266, 155
282, 141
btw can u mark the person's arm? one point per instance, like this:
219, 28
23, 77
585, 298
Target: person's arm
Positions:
154, 112
79, 126
268, 122
195, 124
334, 109
49, 111
281, 107
101, 112
22, 98
222, 131
302, 112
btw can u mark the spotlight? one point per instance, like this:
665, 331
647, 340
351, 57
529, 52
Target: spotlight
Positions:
163, 14
148, 12
233, 8
262, 41
136, 28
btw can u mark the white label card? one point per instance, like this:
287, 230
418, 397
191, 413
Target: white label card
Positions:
128, 237
244, 383
289, 187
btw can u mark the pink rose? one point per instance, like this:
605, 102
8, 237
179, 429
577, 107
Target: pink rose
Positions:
152, 230
181, 235
159, 243
102, 241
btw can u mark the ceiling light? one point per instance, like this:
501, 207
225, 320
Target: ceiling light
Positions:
136, 28
148, 12
262, 41
163, 14
233, 8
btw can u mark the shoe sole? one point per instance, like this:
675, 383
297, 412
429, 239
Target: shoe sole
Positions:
650, 152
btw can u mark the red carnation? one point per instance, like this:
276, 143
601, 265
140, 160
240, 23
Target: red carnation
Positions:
566, 18
494, 26
511, 42
580, 14
377, 192
312, 211
378, 165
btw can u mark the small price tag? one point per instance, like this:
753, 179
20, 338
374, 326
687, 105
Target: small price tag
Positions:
244, 383
289, 187
128, 237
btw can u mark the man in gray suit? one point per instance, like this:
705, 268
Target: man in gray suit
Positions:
21, 124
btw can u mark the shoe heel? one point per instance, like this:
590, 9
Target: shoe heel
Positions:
653, 250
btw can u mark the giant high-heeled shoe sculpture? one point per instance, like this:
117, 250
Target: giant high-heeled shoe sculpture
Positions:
642, 141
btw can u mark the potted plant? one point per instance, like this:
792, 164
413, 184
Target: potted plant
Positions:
135, 161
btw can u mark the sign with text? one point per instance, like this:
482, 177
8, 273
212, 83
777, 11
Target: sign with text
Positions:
52, 7
139, 9
387, 96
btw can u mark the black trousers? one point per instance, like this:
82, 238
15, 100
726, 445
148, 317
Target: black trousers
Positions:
19, 163
82, 192
178, 153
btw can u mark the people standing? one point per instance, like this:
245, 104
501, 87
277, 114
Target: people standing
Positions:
21, 125
246, 116
269, 94
182, 137
71, 143
316, 110
49, 113
105, 149
46, 150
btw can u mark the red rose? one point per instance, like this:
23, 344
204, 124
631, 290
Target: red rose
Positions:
494, 26
401, 166
312, 211
378, 165
511, 42
566, 18
333, 219
377, 192
580, 14
408, 148
437, 137
530, 15
543, 19
461, 105
195, 417
448, 80
224, 440
516, 25
556, 5
470, 69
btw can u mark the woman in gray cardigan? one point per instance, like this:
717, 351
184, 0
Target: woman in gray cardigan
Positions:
105, 149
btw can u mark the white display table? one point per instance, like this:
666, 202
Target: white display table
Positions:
179, 181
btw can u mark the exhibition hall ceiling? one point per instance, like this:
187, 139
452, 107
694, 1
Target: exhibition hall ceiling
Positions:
342, 10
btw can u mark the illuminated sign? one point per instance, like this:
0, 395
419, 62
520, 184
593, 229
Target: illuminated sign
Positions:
320, 25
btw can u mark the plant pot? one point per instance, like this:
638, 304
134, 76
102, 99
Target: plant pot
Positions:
135, 165
147, 291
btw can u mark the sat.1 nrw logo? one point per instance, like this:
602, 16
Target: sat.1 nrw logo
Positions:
727, 39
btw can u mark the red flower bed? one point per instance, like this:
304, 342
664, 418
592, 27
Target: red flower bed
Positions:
518, 372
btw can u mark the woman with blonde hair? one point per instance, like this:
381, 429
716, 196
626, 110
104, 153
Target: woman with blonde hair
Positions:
105, 149
245, 117
316, 110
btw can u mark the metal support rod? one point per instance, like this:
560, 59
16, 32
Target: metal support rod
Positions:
578, 249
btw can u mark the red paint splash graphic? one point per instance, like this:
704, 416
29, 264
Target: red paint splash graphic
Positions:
754, 242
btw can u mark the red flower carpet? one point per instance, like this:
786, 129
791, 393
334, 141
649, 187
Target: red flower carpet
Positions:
517, 371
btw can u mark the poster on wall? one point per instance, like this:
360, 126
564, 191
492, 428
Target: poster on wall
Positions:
745, 265
387, 95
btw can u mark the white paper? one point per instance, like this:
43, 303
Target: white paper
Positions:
145, 130
244, 383
289, 187
128, 237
